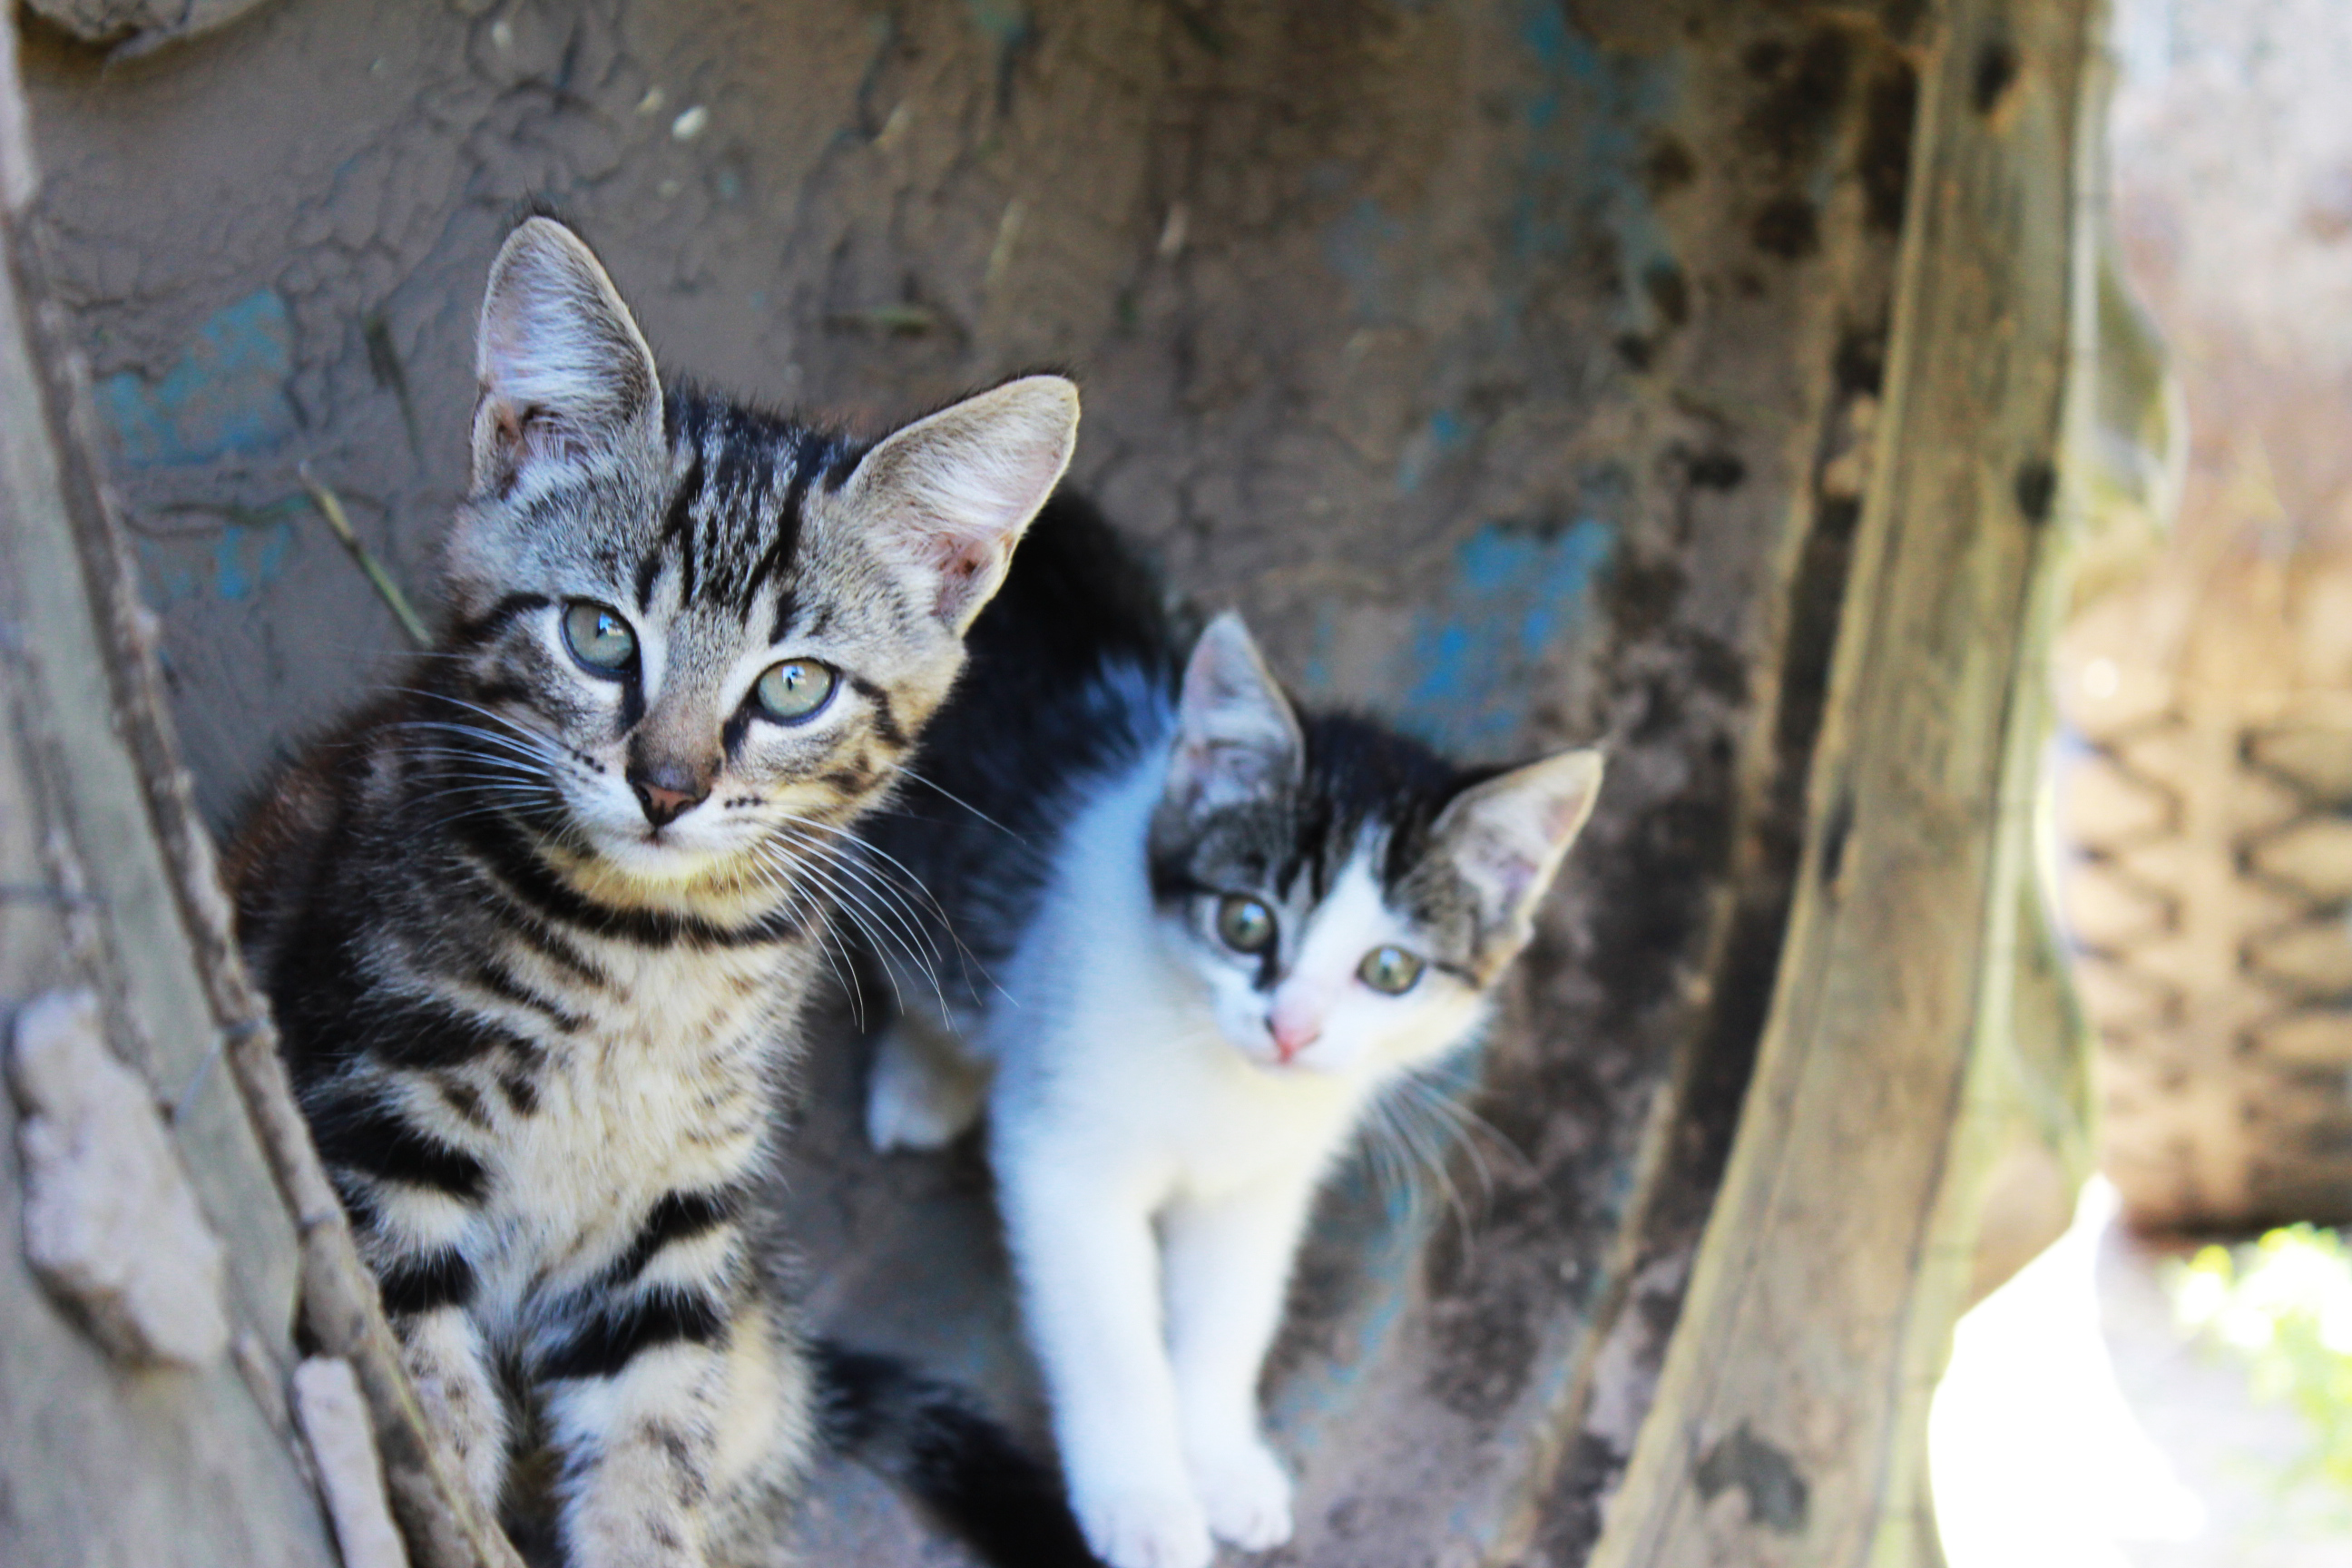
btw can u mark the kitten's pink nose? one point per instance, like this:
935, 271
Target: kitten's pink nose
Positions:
663, 802
1292, 1035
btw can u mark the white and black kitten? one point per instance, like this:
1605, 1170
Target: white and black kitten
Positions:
538, 930
1200, 931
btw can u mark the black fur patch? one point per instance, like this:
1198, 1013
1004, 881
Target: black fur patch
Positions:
678, 1216
486, 629
428, 1035
438, 1279
613, 1333
521, 1093
518, 868
961, 1465
362, 1134
1075, 671
495, 980
1070, 673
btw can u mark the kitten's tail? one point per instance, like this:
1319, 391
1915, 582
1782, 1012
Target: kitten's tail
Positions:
932, 1438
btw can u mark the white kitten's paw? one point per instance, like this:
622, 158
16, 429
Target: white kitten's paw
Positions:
910, 1104
1143, 1528
1246, 1496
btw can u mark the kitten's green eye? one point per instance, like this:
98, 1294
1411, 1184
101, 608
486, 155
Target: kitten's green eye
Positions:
599, 639
1390, 969
794, 690
1245, 925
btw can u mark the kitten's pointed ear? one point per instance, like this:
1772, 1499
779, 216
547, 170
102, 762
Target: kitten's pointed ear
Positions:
565, 375
950, 495
1507, 836
1237, 737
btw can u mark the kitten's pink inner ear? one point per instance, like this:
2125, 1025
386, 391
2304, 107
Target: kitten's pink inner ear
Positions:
965, 565
1237, 737
1510, 833
564, 373
951, 494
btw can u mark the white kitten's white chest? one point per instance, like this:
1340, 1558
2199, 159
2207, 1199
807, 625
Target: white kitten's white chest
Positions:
1113, 1052
1136, 1071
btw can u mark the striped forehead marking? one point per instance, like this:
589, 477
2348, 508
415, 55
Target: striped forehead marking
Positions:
733, 525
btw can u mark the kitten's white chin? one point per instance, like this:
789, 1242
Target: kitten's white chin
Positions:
1262, 1055
666, 859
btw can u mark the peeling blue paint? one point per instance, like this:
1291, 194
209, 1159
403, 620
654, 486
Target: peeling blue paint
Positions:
1464, 664
1469, 664
1427, 447
233, 565
246, 559
1584, 118
226, 393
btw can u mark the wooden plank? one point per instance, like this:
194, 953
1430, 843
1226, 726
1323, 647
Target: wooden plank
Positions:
1790, 1422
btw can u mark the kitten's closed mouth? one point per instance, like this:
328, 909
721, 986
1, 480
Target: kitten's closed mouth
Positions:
1268, 1060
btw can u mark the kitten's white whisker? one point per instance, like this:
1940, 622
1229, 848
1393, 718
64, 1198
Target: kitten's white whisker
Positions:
861, 848
818, 921
465, 765
871, 875
844, 969
853, 911
1424, 1122
862, 845
470, 779
545, 756
1393, 1174
537, 739
1445, 1093
878, 921
955, 799
868, 878
465, 755
453, 818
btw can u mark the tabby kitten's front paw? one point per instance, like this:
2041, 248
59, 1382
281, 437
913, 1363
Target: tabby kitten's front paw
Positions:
1146, 1529
1246, 1496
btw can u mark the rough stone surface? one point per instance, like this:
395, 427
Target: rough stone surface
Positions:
334, 1418
110, 1221
134, 26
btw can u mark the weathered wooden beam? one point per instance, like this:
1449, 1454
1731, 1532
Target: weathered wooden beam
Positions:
1790, 1421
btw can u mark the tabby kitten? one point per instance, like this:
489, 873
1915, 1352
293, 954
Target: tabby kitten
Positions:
537, 930
1202, 931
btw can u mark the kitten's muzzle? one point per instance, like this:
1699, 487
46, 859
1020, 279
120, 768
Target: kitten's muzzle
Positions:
1295, 1019
667, 794
1292, 1035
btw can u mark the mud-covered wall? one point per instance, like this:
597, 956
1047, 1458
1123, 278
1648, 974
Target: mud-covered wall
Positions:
1507, 361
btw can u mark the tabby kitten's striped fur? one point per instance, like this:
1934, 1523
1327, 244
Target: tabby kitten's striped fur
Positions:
536, 930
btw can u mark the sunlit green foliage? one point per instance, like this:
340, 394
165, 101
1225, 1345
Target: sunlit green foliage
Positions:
2285, 1303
